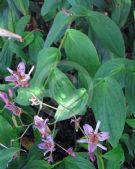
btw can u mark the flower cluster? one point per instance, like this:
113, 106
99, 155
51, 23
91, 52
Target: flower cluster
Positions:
48, 144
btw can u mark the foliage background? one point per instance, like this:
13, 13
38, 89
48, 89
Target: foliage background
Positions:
95, 39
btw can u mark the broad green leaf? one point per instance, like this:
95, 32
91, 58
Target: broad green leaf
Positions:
11, 20
28, 38
37, 164
17, 49
22, 23
112, 165
6, 156
25, 94
47, 61
115, 155
78, 162
58, 28
36, 45
22, 6
72, 105
120, 12
131, 122
130, 86
114, 68
100, 4
49, 6
126, 139
7, 133
5, 57
81, 50
60, 86
107, 32
86, 3
108, 104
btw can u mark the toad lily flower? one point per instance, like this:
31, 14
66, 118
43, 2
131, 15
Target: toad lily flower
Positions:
48, 146
93, 138
18, 77
10, 105
41, 125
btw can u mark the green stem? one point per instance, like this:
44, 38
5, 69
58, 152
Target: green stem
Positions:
62, 41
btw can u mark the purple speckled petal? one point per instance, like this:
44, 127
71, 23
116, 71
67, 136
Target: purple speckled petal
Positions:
103, 136
21, 68
92, 156
10, 78
88, 129
92, 147
15, 109
42, 146
4, 97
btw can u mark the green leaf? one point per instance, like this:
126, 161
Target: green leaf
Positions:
58, 28
5, 57
37, 164
7, 133
6, 156
112, 165
78, 162
49, 6
24, 94
72, 105
46, 62
22, 23
28, 38
81, 50
131, 122
36, 45
126, 139
121, 11
107, 32
130, 85
22, 6
115, 155
15, 48
60, 86
108, 104
114, 68
86, 3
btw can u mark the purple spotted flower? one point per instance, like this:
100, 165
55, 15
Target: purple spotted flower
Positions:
10, 105
93, 138
48, 146
41, 125
18, 77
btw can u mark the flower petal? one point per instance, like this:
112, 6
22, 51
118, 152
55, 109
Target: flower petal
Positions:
92, 156
4, 97
103, 136
42, 146
92, 147
10, 78
102, 147
87, 129
21, 68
